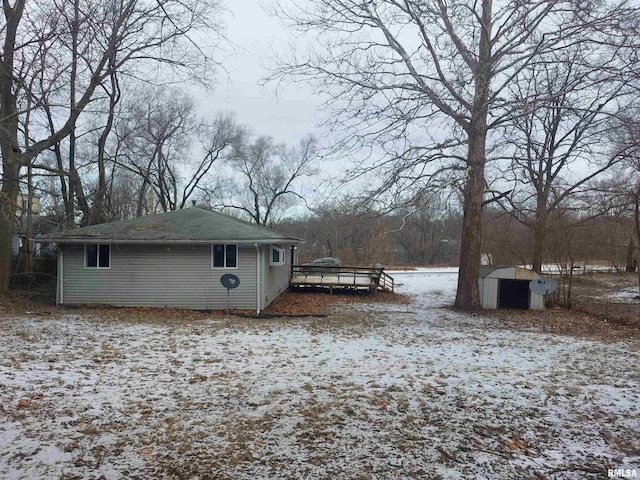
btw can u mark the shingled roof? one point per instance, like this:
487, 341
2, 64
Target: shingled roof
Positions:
190, 225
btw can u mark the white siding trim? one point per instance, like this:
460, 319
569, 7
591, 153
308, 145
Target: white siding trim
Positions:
281, 256
258, 273
60, 289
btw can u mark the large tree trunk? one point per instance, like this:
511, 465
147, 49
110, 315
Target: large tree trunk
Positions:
468, 293
9, 148
539, 235
10, 189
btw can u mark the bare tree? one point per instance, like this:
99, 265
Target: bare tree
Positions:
157, 134
561, 137
115, 36
169, 149
355, 235
269, 174
216, 138
101, 198
618, 199
425, 231
506, 240
427, 81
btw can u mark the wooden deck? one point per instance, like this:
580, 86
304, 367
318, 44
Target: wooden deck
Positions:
370, 278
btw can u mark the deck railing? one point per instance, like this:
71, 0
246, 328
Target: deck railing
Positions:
386, 281
373, 277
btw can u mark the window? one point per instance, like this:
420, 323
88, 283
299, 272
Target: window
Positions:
97, 255
277, 256
225, 256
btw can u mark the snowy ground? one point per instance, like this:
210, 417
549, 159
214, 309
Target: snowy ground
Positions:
629, 295
372, 392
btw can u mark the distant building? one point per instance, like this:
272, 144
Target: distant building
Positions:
19, 230
22, 205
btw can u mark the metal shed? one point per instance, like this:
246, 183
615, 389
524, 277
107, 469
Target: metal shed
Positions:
508, 287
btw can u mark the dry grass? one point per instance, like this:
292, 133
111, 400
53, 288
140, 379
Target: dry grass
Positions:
310, 301
577, 322
370, 391
596, 312
300, 303
595, 294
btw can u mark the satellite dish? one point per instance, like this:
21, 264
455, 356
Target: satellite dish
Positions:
543, 286
229, 281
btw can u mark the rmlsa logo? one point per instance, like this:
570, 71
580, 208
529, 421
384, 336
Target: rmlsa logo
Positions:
622, 473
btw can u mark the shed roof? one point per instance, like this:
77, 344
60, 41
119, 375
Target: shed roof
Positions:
190, 225
517, 273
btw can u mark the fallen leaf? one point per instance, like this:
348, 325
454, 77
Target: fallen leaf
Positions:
516, 444
146, 451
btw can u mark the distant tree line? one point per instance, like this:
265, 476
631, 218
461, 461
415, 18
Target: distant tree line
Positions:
431, 238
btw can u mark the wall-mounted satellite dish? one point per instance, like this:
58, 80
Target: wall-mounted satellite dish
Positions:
229, 281
543, 286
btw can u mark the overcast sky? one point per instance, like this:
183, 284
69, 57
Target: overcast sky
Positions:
287, 117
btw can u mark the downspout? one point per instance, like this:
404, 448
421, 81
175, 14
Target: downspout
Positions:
60, 296
257, 279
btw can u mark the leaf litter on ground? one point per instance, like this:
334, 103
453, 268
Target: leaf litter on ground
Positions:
375, 390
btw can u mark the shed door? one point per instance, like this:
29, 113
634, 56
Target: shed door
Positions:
513, 294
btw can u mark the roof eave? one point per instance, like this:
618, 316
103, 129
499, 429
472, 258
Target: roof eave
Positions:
83, 240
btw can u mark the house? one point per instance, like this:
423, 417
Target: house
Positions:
22, 205
508, 287
173, 259
21, 218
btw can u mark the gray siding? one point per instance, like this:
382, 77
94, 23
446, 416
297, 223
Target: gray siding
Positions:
276, 278
177, 276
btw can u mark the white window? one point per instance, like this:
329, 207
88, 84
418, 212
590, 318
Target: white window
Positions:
277, 256
97, 255
224, 255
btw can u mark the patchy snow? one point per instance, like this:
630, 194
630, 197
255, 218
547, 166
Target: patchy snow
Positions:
555, 269
628, 295
374, 391
431, 287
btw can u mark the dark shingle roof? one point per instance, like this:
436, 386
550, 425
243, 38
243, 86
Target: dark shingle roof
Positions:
190, 225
